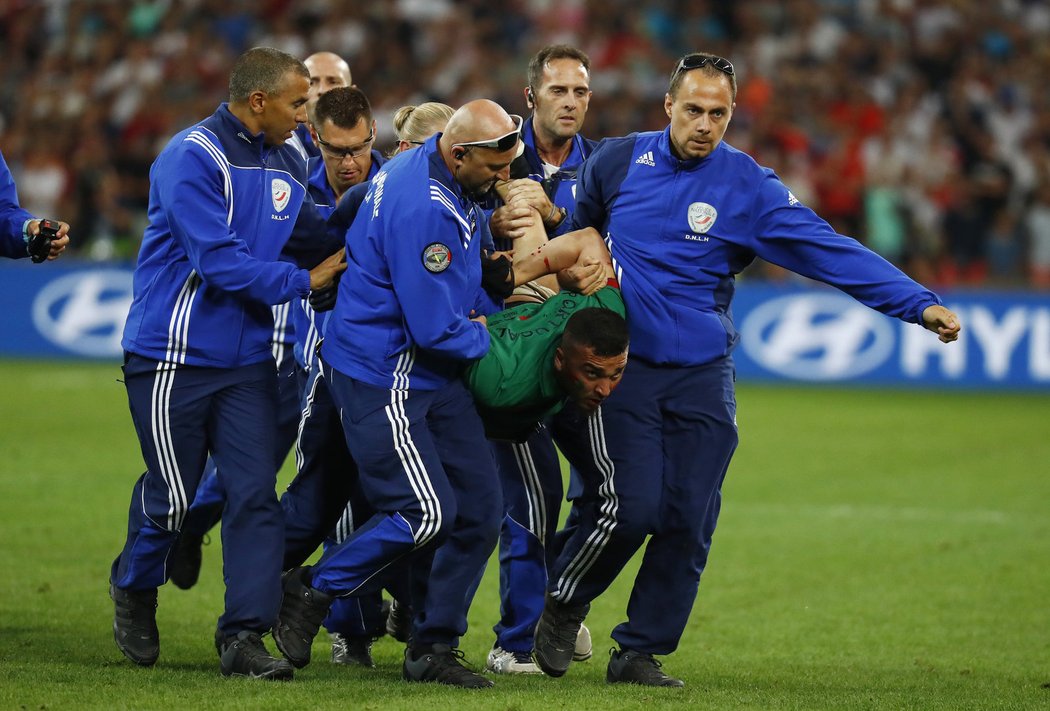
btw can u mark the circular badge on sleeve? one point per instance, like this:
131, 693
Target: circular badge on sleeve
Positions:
436, 257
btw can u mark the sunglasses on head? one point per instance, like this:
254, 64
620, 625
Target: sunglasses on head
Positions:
502, 143
695, 61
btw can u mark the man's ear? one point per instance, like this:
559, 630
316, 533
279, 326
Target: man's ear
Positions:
559, 359
458, 153
668, 102
257, 101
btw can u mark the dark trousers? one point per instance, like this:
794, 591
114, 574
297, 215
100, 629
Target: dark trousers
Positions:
530, 474
181, 414
427, 471
653, 459
206, 508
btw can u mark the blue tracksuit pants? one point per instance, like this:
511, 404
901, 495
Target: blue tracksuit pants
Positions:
530, 474
206, 508
428, 473
181, 414
653, 459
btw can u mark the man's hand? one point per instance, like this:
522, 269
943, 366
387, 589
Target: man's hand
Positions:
324, 273
532, 194
941, 321
512, 221
58, 243
585, 277
478, 318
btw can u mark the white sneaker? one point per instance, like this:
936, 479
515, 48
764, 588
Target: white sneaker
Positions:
583, 649
501, 661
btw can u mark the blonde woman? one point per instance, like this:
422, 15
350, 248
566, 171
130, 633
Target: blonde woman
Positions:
415, 124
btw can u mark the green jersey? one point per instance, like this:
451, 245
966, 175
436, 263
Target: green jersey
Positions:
514, 385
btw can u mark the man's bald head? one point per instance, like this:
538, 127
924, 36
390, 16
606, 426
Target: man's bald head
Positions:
476, 168
479, 120
327, 71
329, 64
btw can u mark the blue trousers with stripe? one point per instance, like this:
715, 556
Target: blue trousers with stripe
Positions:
206, 509
652, 459
428, 473
324, 503
532, 492
181, 414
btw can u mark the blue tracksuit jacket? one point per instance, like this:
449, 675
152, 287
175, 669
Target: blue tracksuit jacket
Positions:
12, 216
222, 206
309, 325
413, 276
682, 230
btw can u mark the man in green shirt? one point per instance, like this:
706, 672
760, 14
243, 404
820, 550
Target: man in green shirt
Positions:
570, 346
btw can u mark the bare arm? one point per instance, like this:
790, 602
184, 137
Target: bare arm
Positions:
582, 253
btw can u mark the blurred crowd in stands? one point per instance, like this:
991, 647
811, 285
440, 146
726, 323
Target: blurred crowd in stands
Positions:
921, 127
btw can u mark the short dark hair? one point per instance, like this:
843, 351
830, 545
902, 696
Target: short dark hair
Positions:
550, 53
344, 106
602, 330
262, 69
710, 68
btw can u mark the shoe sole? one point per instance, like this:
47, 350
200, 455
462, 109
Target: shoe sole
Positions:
276, 675
297, 663
547, 668
534, 672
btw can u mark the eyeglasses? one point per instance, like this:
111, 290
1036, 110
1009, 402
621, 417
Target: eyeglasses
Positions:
502, 143
695, 61
353, 152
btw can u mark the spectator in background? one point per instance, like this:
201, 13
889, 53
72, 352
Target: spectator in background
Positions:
835, 59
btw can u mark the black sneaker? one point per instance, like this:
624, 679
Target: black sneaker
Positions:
627, 666
184, 562
399, 621
246, 655
303, 608
352, 650
135, 624
556, 631
442, 664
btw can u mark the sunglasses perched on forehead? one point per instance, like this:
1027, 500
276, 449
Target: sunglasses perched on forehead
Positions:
695, 61
502, 143
351, 152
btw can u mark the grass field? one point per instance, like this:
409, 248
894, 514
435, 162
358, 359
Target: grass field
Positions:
876, 550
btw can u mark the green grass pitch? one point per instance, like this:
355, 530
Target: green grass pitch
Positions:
877, 549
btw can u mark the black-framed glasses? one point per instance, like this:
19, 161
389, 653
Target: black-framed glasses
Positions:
696, 61
502, 143
352, 152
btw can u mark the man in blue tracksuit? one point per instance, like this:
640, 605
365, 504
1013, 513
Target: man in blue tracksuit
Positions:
559, 94
403, 327
17, 226
682, 214
224, 196
327, 71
